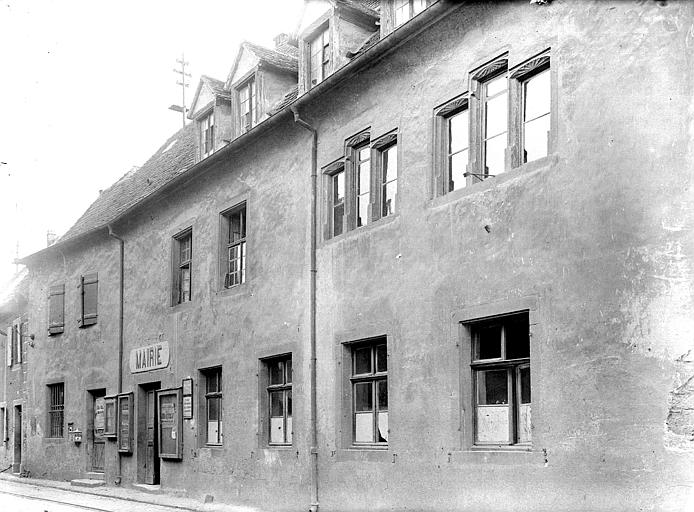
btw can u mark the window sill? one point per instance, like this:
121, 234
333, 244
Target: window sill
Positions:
182, 306
501, 455
375, 225
239, 289
526, 169
364, 454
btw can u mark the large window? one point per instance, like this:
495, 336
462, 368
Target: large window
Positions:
248, 105
369, 383
89, 294
501, 380
207, 135
56, 407
234, 253
213, 406
319, 48
183, 256
279, 390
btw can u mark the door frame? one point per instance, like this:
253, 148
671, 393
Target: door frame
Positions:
141, 430
17, 435
92, 395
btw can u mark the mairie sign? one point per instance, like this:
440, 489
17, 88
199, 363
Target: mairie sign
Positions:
151, 357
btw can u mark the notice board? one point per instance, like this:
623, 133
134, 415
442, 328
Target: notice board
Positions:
125, 423
170, 421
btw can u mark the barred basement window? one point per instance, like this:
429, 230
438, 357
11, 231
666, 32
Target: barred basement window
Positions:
88, 299
369, 382
279, 389
182, 277
56, 406
234, 236
501, 380
213, 406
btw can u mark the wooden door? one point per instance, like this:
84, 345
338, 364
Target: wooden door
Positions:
17, 455
98, 442
151, 456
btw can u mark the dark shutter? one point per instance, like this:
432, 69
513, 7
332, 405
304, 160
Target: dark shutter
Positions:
56, 309
89, 293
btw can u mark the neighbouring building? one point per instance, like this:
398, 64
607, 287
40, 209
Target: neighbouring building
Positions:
418, 255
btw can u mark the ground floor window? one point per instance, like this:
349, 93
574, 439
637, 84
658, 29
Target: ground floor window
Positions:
56, 407
369, 382
279, 389
213, 406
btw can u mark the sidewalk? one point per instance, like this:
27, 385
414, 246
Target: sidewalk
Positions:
134, 495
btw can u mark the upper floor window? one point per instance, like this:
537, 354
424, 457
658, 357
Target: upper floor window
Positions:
337, 202
248, 105
362, 182
183, 256
207, 135
89, 286
15, 332
56, 309
407, 9
536, 92
319, 55
234, 254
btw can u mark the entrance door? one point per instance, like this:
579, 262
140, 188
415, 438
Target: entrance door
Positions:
97, 442
17, 457
147, 447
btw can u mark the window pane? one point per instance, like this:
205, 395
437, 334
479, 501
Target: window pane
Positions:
364, 428
362, 360
363, 210
492, 424
289, 403
212, 382
213, 409
338, 187
492, 387
363, 396
497, 116
536, 137
382, 427
288, 370
524, 377
213, 432
277, 430
390, 164
496, 85
537, 96
382, 395
517, 337
338, 219
364, 174
458, 132
390, 193
381, 358
488, 340
458, 166
276, 404
185, 284
276, 369
495, 150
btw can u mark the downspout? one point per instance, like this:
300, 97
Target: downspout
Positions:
312, 300
121, 244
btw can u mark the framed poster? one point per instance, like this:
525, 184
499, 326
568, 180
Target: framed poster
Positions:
125, 423
99, 416
170, 422
188, 398
110, 416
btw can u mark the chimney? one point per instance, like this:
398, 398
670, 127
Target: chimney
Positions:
51, 238
284, 39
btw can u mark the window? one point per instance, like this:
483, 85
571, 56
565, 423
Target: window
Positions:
407, 9
183, 255
501, 380
88, 299
207, 135
319, 48
386, 171
453, 135
56, 309
234, 236
370, 393
213, 406
14, 345
56, 406
362, 185
279, 391
337, 205
493, 110
248, 105
533, 85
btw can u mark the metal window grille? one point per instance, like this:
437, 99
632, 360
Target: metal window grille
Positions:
56, 408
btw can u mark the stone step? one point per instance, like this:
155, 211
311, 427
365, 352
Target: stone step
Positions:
94, 475
152, 489
86, 482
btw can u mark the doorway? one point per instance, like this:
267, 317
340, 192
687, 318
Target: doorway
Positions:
147, 445
96, 442
17, 453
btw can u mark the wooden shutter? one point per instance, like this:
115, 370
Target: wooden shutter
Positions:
56, 309
20, 334
89, 294
8, 345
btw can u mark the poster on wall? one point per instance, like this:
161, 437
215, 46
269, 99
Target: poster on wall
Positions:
170, 423
187, 398
99, 416
125, 423
110, 416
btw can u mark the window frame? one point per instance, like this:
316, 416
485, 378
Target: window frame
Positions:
286, 389
55, 422
179, 265
227, 244
374, 377
88, 318
207, 374
325, 67
380, 148
206, 126
411, 11
251, 85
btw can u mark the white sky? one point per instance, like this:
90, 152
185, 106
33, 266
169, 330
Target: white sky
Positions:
85, 88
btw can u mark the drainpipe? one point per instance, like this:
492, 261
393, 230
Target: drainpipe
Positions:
312, 299
121, 244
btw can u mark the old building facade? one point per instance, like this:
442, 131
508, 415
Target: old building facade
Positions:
423, 255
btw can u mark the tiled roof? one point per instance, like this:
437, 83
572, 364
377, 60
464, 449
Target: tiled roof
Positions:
285, 56
368, 43
217, 86
286, 100
175, 156
366, 6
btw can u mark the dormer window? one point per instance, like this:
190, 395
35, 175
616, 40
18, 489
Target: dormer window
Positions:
320, 56
248, 107
207, 135
407, 9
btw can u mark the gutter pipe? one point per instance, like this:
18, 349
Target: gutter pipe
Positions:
312, 300
121, 244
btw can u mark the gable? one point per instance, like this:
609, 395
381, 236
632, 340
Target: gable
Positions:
245, 62
202, 99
